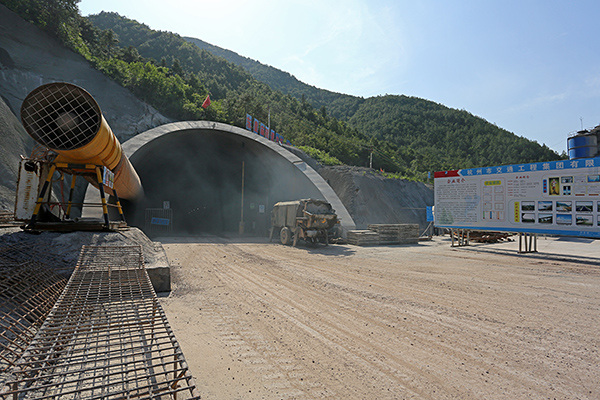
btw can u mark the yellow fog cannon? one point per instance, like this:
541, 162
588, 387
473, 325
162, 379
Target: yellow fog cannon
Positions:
66, 119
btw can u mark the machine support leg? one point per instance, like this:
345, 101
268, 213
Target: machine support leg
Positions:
40, 200
71, 197
119, 206
103, 196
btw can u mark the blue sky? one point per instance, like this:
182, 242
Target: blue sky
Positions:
531, 67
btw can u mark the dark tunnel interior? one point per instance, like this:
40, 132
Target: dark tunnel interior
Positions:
198, 175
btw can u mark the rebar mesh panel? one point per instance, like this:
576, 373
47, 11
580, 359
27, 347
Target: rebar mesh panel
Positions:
107, 337
61, 116
27, 293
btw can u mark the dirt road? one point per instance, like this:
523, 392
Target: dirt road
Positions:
265, 321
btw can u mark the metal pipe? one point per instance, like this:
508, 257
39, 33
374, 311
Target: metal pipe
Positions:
66, 119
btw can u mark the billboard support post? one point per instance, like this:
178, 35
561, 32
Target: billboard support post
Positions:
525, 245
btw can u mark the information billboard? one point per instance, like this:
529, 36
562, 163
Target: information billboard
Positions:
554, 197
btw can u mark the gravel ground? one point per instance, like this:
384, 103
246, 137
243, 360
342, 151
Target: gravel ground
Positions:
265, 321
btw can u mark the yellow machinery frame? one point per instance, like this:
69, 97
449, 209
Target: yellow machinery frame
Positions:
93, 172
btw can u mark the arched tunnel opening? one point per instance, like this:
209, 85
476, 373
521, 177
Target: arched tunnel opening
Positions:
201, 175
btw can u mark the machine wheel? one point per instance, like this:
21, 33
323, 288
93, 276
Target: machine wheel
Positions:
285, 235
297, 234
326, 238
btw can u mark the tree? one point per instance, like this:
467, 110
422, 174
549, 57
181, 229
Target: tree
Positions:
108, 42
176, 68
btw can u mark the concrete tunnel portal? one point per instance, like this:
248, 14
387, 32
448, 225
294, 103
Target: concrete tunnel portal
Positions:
201, 169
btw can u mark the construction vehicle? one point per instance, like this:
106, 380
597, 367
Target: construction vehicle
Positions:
308, 219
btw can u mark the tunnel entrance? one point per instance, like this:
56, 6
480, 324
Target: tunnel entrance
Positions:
201, 173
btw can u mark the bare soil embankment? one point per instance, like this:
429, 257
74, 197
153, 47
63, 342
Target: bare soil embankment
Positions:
266, 321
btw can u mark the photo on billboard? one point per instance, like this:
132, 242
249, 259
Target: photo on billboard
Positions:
585, 220
545, 218
593, 178
554, 186
564, 219
545, 205
584, 206
527, 206
528, 218
564, 206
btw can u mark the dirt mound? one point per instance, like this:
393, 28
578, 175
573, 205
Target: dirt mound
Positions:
63, 248
371, 198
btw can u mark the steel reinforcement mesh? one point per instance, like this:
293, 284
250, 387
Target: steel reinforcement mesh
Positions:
107, 337
27, 293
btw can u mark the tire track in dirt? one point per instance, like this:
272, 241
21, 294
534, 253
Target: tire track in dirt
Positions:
318, 323
506, 374
372, 352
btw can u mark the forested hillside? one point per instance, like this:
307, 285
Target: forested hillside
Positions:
408, 136
275, 78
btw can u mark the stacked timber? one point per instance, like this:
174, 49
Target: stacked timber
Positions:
396, 233
363, 238
385, 234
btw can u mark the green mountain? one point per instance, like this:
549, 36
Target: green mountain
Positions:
401, 120
275, 78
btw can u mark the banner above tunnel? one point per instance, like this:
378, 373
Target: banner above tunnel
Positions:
554, 197
254, 125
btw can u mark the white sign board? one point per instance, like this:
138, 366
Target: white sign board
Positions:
27, 191
554, 197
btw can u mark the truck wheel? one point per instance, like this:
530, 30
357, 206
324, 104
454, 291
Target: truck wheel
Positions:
285, 235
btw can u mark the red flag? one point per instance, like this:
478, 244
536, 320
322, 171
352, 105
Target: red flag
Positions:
206, 102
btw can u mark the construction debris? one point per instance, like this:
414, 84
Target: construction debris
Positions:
482, 236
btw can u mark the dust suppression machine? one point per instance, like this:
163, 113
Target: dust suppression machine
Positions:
67, 121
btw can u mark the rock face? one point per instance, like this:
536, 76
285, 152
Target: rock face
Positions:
14, 142
372, 198
29, 58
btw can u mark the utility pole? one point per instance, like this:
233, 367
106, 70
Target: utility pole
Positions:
371, 159
241, 227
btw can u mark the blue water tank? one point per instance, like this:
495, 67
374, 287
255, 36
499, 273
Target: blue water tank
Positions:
584, 145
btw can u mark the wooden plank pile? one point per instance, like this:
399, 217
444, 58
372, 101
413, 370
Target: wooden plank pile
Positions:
363, 238
385, 234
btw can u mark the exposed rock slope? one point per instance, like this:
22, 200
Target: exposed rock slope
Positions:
29, 58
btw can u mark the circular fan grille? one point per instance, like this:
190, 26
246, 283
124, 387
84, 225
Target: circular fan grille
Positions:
61, 116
